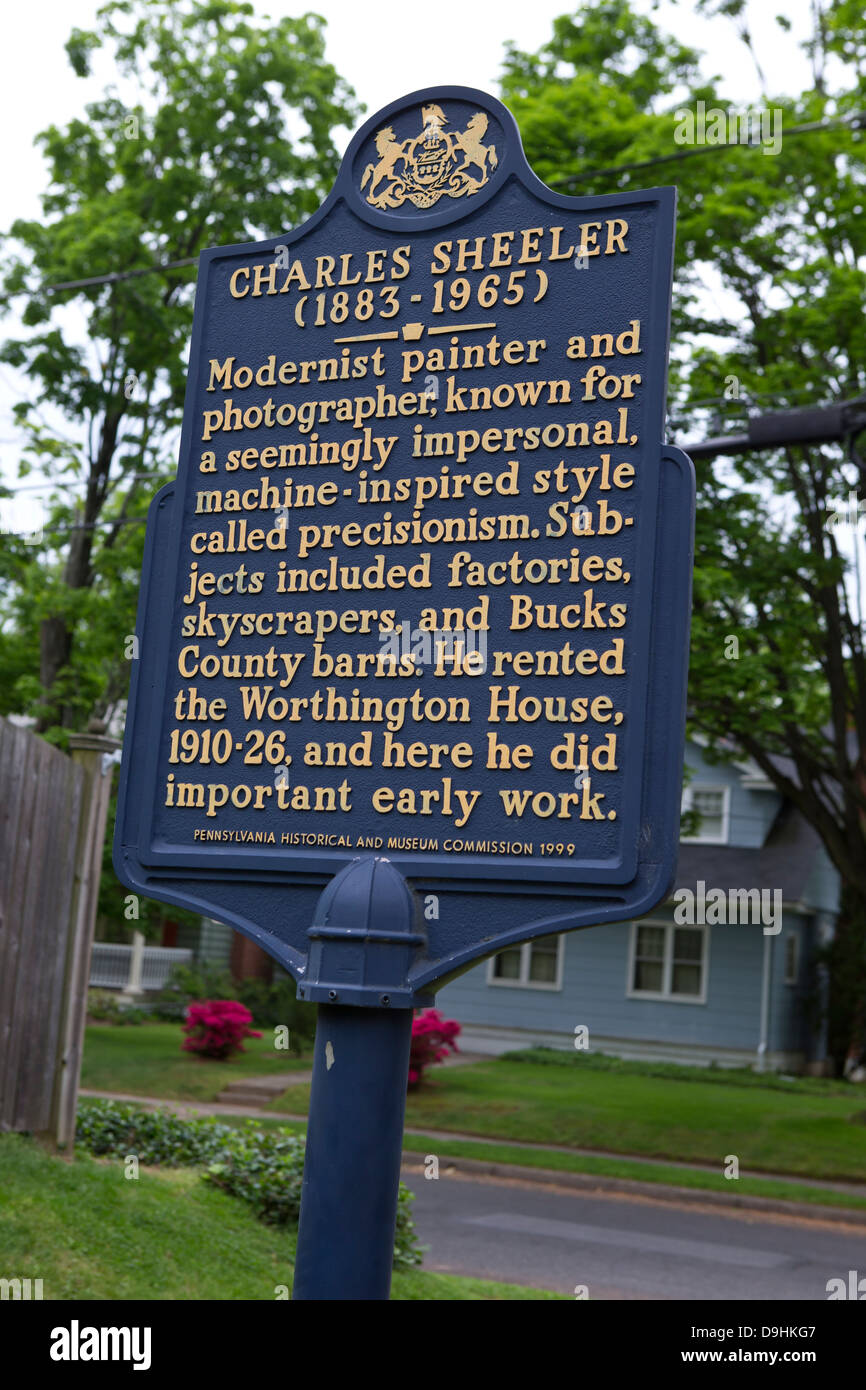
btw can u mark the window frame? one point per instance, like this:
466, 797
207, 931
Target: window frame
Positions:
523, 981
666, 996
688, 805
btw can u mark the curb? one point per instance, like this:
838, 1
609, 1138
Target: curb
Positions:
661, 1192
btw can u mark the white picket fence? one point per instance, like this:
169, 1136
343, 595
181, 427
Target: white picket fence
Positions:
113, 966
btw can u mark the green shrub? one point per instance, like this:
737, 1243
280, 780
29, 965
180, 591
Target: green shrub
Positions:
266, 1169
115, 1129
187, 983
104, 1007
271, 1003
675, 1071
275, 1003
263, 1167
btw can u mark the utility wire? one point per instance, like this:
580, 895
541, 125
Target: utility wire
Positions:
857, 120
116, 275
92, 525
48, 486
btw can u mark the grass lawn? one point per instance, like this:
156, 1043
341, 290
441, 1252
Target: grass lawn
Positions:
664, 1173
146, 1060
557, 1161
802, 1128
89, 1233
630, 1168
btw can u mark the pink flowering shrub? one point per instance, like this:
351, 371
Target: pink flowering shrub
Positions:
432, 1039
217, 1027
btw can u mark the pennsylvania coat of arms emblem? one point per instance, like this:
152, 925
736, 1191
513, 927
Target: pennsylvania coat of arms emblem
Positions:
426, 167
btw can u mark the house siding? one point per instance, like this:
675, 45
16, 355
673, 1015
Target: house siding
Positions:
751, 813
822, 889
790, 1003
726, 1024
595, 984
215, 943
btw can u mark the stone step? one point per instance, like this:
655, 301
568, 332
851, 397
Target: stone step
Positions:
256, 1084
258, 1090
254, 1099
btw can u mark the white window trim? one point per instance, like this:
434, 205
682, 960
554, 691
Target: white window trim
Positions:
665, 996
524, 982
701, 838
795, 937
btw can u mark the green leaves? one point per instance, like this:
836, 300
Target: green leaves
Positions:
228, 137
264, 1167
79, 47
768, 312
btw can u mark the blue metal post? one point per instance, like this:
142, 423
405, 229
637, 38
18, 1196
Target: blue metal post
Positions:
366, 933
354, 1145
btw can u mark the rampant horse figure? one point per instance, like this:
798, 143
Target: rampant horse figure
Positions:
390, 150
469, 141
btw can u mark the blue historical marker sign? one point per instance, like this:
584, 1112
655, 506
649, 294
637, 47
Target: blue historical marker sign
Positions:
421, 587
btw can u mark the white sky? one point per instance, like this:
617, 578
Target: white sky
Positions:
384, 48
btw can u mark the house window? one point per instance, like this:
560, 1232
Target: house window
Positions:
712, 806
792, 958
534, 965
668, 962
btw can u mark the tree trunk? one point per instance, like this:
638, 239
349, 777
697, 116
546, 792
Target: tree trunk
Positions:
55, 634
55, 645
845, 958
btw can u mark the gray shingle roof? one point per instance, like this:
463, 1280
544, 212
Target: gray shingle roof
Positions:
785, 860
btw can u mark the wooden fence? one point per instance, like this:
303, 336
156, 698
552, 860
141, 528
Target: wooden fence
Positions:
53, 811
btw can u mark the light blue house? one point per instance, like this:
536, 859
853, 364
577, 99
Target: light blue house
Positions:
723, 972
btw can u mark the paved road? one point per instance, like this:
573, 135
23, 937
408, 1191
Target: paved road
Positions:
554, 1239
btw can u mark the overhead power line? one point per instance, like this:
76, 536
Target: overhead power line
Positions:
50, 484
116, 275
93, 525
857, 121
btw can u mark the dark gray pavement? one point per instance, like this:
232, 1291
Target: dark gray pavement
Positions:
547, 1237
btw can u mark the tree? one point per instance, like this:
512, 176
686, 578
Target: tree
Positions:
785, 237
226, 137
